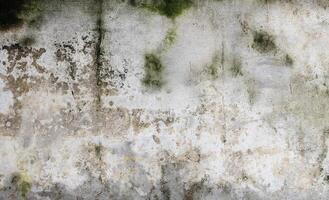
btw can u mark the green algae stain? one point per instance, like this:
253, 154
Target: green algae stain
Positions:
168, 8
22, 183
170, 37
263, 42
153, 72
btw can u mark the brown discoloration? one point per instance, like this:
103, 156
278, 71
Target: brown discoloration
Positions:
193, 155
18, 63
137, 122
16, 53
195, 189
65, 54
115, 121
142, 119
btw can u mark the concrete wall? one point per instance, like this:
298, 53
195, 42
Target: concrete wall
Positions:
207, 99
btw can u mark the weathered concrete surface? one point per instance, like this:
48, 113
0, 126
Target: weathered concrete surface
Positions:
121, 100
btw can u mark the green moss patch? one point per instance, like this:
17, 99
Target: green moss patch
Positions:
153, 72
22, 183
170, 37
169, 8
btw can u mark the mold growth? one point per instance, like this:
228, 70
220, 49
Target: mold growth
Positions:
323, 3
288, 60
263, 42
15, 12
213, 68
168, 8
153, 72
236, 68
22, 183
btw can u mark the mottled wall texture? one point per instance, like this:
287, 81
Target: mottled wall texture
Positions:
164, 99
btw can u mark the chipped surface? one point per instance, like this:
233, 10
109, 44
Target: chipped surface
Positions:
136, 99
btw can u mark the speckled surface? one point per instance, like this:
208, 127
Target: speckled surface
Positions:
138, 99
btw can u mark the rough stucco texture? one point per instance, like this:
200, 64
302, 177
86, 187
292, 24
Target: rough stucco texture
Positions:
203, 99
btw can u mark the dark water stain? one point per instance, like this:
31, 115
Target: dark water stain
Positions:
27, 41
98, 49
168, 8
263, 42
14, 13
98, 151
288, 60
